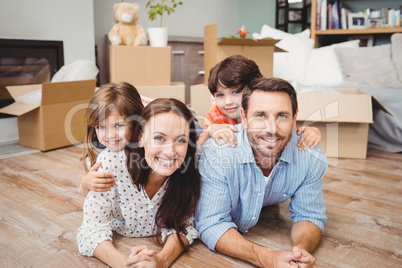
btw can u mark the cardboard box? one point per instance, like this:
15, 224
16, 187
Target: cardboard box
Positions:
260, 51
343, 120
175, 90
58, 121
201, 101
141, 65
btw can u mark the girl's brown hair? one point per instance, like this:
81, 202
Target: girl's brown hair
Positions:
121, 96
183, 190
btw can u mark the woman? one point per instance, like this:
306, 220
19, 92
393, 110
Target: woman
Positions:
156, 191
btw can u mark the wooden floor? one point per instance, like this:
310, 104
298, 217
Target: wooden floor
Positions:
41, 210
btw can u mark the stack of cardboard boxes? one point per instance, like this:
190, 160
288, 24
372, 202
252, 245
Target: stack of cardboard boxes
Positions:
147, 68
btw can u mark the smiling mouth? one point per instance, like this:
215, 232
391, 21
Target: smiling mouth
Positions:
271, 140
114, 142
231, 109
166, 162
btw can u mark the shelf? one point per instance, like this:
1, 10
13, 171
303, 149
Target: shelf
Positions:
383, 30
319, 34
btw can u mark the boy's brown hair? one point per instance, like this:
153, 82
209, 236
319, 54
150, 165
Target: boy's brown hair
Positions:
233, 72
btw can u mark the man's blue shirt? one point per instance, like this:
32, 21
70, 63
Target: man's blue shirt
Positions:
233, 191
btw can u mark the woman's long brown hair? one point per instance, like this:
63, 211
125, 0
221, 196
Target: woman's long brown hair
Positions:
183, 190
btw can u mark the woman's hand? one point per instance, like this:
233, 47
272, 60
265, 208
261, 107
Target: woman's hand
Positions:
141, 256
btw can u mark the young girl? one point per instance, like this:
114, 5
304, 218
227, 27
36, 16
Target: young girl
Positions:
114, 97
156, 191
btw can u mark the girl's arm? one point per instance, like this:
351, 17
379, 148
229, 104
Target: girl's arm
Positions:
96, 181
310, 138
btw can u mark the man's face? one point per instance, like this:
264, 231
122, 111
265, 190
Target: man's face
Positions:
269, 123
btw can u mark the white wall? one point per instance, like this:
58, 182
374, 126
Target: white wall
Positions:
70, 21
188, 20
253, 14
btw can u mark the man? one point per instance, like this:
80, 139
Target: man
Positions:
265, 168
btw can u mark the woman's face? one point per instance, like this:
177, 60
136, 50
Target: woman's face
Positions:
165, 139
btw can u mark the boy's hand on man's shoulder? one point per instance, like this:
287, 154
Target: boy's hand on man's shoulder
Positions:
224, 132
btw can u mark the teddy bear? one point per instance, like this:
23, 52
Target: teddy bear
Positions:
127, 31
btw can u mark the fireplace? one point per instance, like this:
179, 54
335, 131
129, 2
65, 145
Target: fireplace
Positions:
27, 62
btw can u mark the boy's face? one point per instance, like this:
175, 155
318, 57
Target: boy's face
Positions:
228, 101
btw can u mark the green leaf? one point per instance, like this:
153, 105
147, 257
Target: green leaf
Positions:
160, 7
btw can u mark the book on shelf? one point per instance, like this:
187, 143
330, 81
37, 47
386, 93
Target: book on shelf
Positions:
329, 12
391, 17
335, 15
384, 15
345, 10
318, 16
324, 14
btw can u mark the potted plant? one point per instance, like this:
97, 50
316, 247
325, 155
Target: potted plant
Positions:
158, 35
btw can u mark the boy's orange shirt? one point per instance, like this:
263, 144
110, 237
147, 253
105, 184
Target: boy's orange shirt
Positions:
215, 116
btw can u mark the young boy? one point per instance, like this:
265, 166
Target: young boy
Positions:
226, 83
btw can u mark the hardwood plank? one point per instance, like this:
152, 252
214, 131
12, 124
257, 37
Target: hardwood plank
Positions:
41, 210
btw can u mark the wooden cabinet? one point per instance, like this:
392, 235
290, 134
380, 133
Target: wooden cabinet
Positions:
187, 61
319, 35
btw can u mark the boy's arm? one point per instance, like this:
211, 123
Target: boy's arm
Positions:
219, 131
96, 181
311, 137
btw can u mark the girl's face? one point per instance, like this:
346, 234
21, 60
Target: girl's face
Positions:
228, 101
165, 139
114, 132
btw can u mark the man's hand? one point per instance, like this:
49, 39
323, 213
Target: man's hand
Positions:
232, 243
279, 258
303, 258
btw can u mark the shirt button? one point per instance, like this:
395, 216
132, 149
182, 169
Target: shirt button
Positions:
259, 194
253, 218
284, 195
246, 231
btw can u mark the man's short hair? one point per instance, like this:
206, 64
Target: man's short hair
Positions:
271, 84
233, 72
